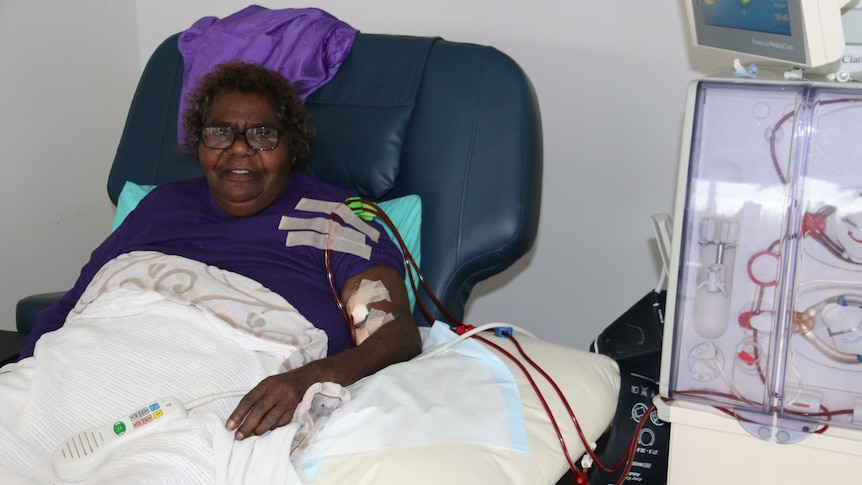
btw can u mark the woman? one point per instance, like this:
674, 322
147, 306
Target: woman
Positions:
252, 138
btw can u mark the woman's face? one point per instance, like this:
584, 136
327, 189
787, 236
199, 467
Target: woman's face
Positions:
244, 181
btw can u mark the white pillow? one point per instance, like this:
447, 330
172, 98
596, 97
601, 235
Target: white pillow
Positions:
590, 383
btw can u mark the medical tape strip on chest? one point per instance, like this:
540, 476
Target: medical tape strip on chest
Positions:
327, 241
326, 233
342, 211
322, 226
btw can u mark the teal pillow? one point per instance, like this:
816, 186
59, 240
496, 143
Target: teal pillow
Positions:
131, 194
405, 212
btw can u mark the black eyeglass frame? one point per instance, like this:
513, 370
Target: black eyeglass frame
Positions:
244, 134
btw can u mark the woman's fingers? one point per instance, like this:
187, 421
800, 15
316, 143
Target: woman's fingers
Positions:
269, 405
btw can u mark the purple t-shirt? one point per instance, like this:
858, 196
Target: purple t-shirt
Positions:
181, 218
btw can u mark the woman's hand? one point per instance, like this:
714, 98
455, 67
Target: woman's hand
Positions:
272, 402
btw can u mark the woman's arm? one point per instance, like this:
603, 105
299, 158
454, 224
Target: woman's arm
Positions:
272, 402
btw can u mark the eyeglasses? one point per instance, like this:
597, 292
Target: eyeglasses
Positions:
223, 137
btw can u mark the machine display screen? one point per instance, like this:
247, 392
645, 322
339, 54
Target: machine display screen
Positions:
769, 16
774, 29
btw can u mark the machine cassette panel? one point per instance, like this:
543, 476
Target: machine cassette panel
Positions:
765, 308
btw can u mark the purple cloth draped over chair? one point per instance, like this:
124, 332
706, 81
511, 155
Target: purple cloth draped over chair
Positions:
305, 45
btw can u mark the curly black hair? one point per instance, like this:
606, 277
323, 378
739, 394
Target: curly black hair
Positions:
242, 77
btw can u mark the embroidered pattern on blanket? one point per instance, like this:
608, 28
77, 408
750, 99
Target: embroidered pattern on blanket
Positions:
239, 301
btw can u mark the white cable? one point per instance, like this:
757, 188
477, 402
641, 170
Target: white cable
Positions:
662, 226
439, 350
830, 351
210, 398
813, 285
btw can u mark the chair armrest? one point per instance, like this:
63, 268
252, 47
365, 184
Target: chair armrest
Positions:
29, 309
10, 342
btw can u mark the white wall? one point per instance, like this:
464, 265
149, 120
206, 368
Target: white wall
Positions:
67, 75
611, 78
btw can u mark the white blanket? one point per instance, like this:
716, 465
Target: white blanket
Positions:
151, 326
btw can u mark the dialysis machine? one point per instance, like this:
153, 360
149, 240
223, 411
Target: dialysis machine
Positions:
762, 357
